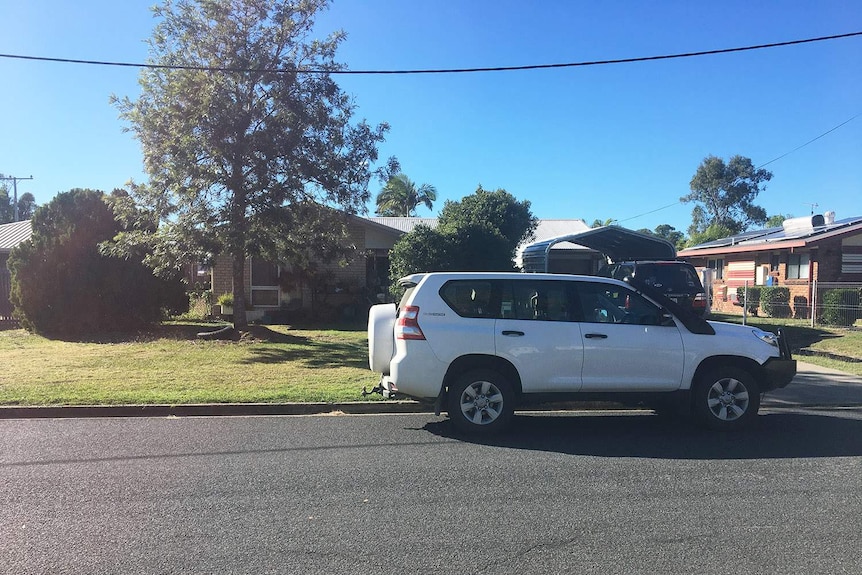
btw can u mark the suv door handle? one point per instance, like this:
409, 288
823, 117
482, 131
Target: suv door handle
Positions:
595, 336
513, 333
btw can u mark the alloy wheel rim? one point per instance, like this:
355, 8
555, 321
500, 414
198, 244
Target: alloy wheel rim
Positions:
728, 399
481, 403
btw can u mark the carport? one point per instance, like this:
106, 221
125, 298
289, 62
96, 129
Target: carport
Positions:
615, 242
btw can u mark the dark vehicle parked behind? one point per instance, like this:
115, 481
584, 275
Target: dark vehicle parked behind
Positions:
674, 279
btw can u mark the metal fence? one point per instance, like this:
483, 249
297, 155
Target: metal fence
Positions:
836, 304
825, 304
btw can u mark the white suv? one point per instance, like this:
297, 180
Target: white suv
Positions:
479, 344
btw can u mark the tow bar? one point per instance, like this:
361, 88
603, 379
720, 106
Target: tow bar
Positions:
380, 389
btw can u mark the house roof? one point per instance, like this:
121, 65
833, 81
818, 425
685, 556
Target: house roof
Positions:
13, 234
794, 233
403, 224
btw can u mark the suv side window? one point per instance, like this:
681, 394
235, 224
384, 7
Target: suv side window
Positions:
470, 298
543, 300
606, 303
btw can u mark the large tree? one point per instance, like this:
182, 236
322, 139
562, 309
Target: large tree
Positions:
725, 194
242, 127
400, 196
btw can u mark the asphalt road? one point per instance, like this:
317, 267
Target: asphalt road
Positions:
396, 494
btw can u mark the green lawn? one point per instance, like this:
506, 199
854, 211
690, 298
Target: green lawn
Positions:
272, 364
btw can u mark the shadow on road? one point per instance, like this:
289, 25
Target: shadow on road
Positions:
775, 436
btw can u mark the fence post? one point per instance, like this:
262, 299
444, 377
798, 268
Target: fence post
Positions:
745, 303
813, 303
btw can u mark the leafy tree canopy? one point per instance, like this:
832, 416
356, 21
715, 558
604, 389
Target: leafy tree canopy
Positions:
401, 197
63, 285
667, 232
236, 156
479, 233
713, 232
498, 210
600, 223
776, 220
724, 194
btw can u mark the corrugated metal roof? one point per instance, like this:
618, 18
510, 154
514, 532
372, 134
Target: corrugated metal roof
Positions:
403, 224
13, 234
616, 242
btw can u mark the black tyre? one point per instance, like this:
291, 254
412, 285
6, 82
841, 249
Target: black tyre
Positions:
481, 402
726, 398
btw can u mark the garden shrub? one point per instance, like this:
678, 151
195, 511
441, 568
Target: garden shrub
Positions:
840, 307
62, 284
775, 301
753, 298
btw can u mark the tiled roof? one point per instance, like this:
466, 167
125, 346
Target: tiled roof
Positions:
13, 234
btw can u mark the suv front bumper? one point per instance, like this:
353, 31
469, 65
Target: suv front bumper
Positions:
778, 372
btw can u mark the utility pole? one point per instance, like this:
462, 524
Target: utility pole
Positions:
15, 187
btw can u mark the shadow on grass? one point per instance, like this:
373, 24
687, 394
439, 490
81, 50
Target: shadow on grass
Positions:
797, 334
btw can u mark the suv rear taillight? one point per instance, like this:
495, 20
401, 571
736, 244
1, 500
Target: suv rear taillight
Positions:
407, 326
699, 301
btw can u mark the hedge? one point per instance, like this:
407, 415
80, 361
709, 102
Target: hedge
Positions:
775, 301
753, 298
840, 307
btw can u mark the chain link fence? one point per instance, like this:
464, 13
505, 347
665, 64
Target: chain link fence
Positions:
827, 304
836, 304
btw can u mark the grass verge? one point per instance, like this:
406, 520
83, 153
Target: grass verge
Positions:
845, 342
171, 366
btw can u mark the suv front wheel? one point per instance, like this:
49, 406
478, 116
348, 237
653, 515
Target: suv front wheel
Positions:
481, 401
726, 398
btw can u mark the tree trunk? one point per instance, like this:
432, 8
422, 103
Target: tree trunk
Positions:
240, 321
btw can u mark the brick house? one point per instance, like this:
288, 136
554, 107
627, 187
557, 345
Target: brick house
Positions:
797, 255
347, 288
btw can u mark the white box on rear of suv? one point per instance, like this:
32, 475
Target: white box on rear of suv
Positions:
479, 344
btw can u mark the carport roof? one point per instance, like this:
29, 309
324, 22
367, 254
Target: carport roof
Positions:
617, 243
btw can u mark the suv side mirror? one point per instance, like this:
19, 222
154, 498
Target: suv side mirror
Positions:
666, 319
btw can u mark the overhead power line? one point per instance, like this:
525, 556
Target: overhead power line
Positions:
829, 131
433, 71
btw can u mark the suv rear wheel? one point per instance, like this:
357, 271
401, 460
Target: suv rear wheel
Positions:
726, 398
481, 401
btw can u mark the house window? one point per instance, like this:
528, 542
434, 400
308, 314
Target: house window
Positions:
264, 283
774, 261
797, 266
718, 266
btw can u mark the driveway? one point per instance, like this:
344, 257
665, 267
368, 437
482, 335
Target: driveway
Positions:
816, 386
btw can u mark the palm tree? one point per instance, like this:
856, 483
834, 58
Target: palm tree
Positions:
400, 196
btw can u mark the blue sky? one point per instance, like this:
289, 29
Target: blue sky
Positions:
600, 142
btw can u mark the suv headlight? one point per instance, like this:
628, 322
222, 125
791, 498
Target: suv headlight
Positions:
766, 336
